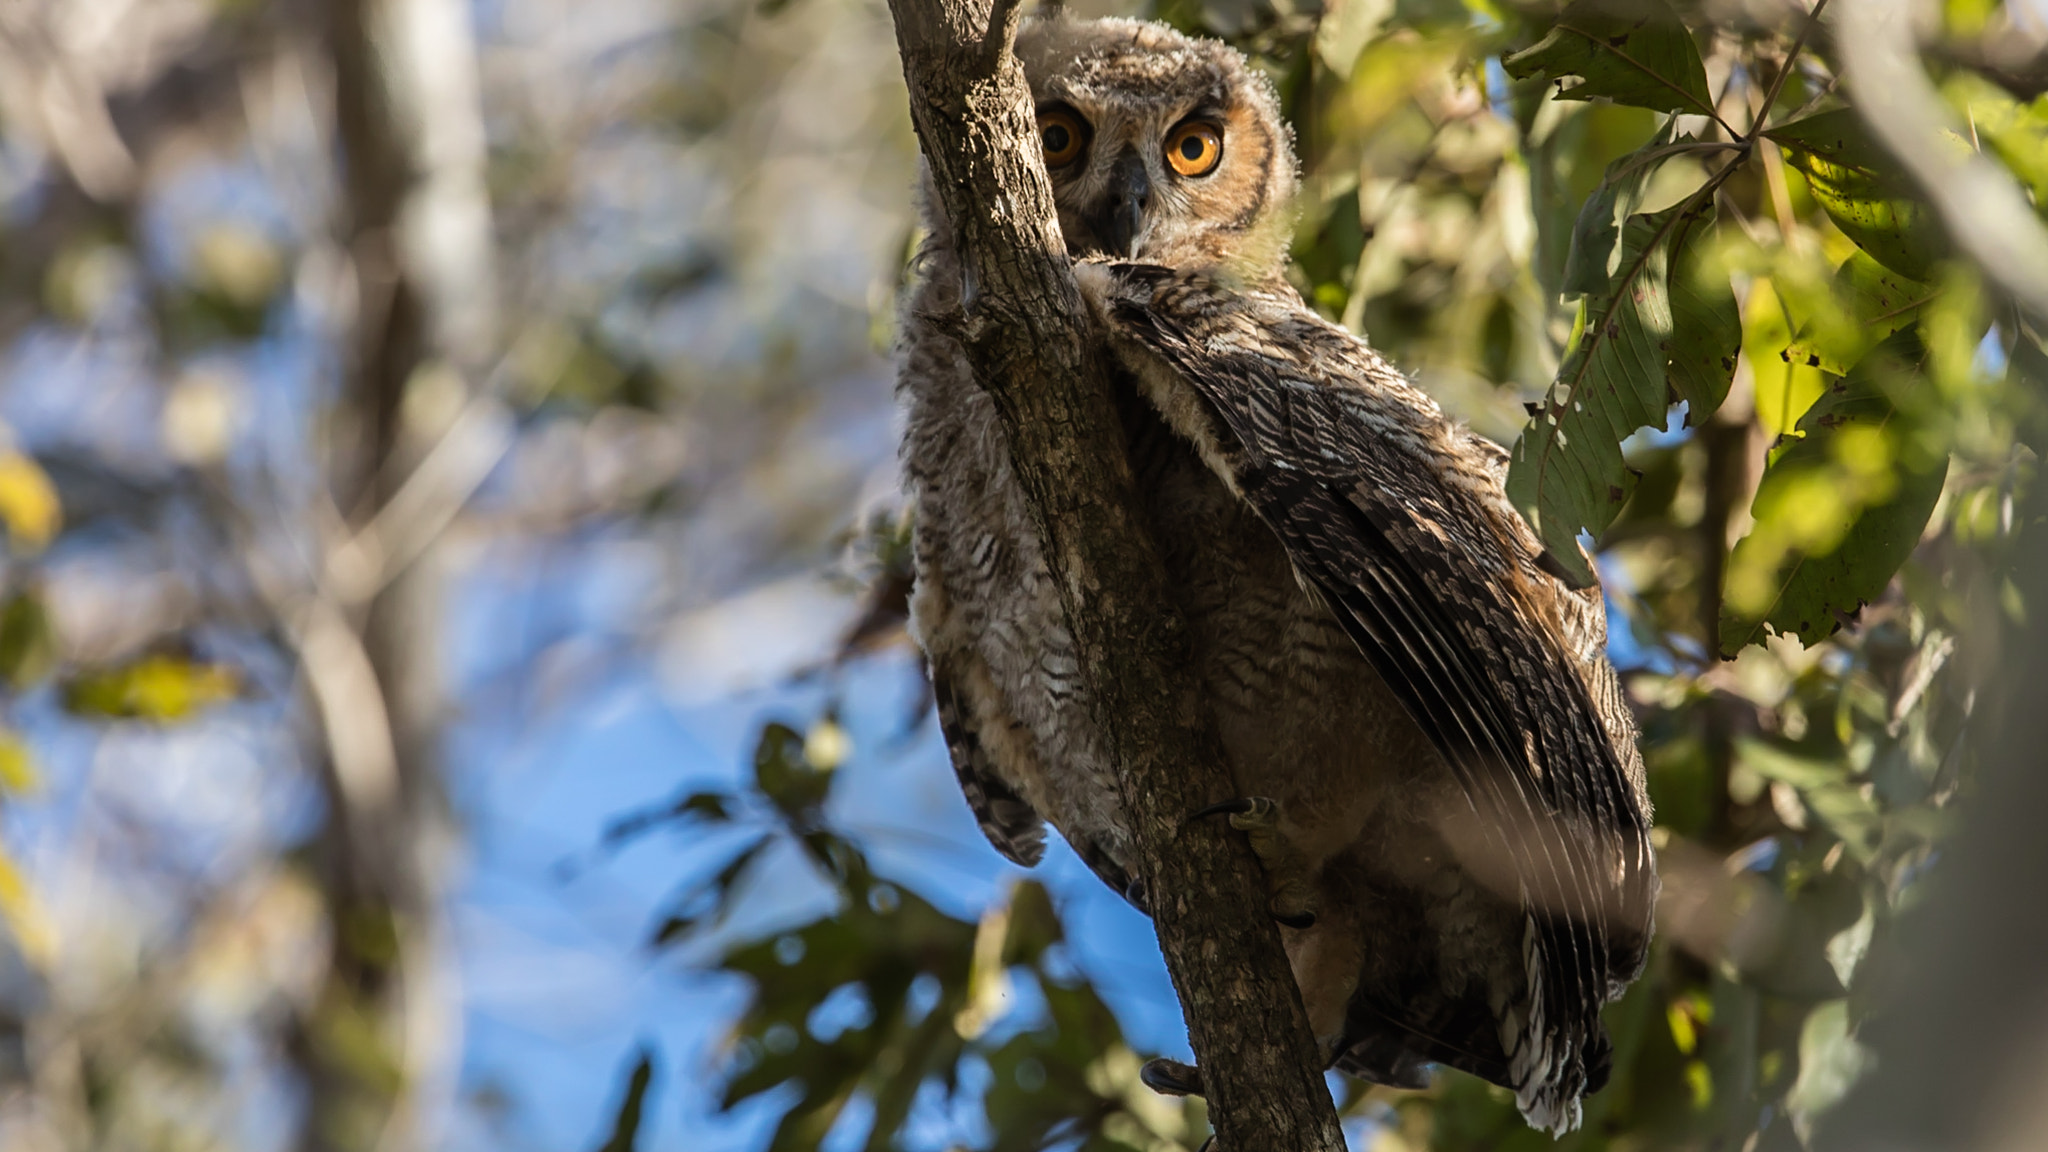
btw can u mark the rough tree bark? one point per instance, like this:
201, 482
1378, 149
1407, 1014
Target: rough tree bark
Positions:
1024, 329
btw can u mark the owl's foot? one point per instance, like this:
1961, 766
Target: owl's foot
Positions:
1171, 1077
1292, 900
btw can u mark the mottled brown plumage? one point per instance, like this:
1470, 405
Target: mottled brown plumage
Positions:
1457, 814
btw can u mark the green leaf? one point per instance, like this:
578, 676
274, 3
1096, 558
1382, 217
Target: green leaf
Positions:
1826, 787
710, 807
158, 687
1630, 53
625, 1135
786, 776
1661, 330
1830, 1063
1875, 302
1837, 512
2017, 133
1588, 265
18, 775
1861, 189
28, 503
28, 644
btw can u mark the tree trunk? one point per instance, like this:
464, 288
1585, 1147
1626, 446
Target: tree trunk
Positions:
1025, 330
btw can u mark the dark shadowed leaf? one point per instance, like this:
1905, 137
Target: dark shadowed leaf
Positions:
1589, 264
1628, 51
786, 777
625, 1135
28, 647
709, 807
1837, 512
1861, 189
1659, 332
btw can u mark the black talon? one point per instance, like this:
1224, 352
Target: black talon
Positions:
1207, 1144
1171, 1077
1237, 807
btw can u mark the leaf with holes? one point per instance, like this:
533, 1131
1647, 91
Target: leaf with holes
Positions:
1875, 302
1631, 53
1837, 512
1861, 189
1662, 330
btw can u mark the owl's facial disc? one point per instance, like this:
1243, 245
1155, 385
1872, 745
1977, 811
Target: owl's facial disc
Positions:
1119, 200
1161, 148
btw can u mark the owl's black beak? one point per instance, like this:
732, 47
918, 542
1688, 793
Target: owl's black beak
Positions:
1121, 216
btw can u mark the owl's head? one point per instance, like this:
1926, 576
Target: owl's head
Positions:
1160, 147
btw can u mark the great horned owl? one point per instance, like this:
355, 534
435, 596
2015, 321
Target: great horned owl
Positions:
1433, 757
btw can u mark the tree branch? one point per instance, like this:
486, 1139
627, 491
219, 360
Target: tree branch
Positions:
1024, 329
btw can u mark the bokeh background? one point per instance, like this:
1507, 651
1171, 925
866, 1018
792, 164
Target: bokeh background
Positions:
454, 688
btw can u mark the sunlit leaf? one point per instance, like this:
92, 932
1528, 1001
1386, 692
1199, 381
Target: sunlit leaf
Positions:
1344, 30
1847, 948
827, 745
1830, 1063
1836, 513
1663, 330
988, 981
18, 774
24, 916
157, 687
1784, 388
1875, 302
1629, 51
1861, 189
2014, 132
28, 503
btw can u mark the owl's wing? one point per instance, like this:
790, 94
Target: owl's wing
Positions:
1405, 535
1009, 821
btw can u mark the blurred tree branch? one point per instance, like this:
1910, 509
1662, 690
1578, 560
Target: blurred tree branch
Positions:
1978, 200
415, 227
1023, 329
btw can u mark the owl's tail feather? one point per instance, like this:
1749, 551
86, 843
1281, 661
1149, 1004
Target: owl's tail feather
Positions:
1549, 1064
1555, 1058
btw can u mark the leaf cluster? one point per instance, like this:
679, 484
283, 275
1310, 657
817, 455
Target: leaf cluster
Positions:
889, 1000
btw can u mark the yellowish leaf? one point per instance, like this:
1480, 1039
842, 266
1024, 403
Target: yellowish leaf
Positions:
28, 502
17, 765
24, 916
157, 687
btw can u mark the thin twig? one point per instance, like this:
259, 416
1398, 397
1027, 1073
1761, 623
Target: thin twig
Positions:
1756, 126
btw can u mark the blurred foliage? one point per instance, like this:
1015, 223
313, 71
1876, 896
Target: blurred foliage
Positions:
894, 1002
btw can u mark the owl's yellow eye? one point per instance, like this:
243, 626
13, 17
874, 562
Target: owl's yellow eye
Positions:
1063, 135
1194, 148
